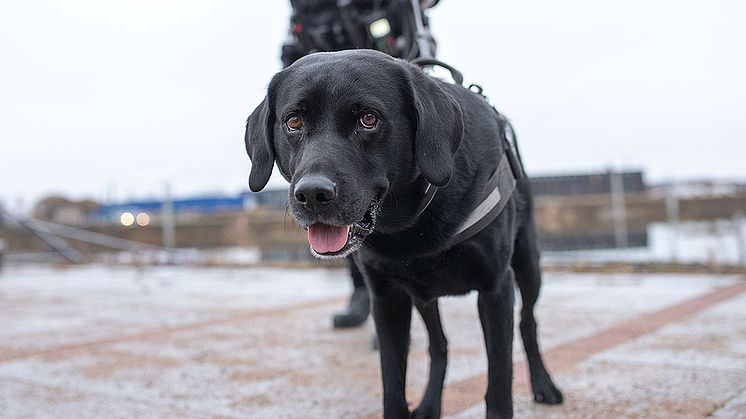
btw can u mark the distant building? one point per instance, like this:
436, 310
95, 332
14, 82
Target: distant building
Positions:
701, 188
200, 205
64, 211
585, 184
275, 199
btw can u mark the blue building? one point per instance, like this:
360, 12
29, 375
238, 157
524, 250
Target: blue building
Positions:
200, 205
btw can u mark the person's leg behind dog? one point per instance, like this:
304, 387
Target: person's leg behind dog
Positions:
358, 307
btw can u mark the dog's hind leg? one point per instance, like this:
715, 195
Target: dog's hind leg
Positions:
525, 264
431, 402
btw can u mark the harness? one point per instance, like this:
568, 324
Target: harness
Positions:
501, 183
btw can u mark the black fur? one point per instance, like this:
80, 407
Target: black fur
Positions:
428, 131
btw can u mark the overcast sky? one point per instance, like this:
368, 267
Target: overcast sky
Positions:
116, 98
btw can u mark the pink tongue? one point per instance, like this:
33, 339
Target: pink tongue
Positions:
326, 238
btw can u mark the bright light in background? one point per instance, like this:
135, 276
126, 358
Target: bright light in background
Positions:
143, 219
127, 219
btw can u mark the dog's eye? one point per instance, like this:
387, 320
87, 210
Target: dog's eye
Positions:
294, 123
369, 121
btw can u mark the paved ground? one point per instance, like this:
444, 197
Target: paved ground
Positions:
185, 342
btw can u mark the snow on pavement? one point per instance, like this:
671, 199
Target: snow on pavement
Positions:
88, 342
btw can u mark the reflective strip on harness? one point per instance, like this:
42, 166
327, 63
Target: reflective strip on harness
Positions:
498, 190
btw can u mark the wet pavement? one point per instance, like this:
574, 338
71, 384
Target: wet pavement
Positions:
163, 342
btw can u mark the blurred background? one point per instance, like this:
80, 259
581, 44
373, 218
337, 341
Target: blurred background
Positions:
140, 277
127, 120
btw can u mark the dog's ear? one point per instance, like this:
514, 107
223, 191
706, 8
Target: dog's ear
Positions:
259, 144
439, 127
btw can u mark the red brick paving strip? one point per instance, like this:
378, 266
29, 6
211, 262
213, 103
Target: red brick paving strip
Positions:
163, 331
464, 394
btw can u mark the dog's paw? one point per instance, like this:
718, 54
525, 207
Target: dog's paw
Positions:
426, 412
546, 392
497, 415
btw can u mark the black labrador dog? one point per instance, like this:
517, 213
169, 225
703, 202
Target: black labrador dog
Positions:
363, 138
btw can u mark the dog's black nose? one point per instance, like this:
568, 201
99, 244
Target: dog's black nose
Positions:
315, 190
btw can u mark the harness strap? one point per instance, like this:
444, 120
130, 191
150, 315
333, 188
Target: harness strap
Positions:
495, 197
501, 184
496, 192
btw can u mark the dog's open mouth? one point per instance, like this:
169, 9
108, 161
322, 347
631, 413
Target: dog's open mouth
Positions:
330, 241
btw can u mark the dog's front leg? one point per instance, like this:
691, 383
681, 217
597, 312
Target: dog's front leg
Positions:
496, 316
392, 312
431, 402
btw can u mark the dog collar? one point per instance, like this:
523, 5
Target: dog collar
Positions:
430, 192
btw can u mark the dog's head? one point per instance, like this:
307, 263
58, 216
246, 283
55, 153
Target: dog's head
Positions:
344, 129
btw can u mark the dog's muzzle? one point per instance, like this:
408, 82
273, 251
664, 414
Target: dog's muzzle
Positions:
333, 241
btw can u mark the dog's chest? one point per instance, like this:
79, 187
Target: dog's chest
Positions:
455, 272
